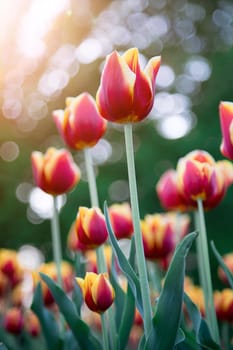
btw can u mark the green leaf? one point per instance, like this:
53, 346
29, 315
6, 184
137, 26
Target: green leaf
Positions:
201, 330
124, 264
166, 321
223, 265
47, 321
80, 329
77, 298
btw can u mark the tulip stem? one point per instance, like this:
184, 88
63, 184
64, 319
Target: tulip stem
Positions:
203, 257
141, 262
56, 240
101, 263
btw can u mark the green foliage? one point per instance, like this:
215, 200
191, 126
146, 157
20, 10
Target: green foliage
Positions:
168, 311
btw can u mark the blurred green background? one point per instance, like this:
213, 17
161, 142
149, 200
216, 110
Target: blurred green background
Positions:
51, 50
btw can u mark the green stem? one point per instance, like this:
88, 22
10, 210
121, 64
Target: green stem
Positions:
101, 263
56, 240
203, 255
147, 310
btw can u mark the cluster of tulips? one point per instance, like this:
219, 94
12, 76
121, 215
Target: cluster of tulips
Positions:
124, 286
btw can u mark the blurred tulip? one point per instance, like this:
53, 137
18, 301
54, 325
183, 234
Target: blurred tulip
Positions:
13, 321
97, 291
80, 124
161, 233
91, 227
32, 323
10, 266
224, 304
55, 171
126, 92
169, 195
200, 178
121, 220
50, 270
226, 122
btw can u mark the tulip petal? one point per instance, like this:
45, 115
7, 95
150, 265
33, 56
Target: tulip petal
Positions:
115, 94
37, 160
86, 126
60, 172
226, 118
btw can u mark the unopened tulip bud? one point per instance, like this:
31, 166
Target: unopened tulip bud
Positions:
126, 92
91, 227
121, 220
98, 292
55, 171
13, 321
80, 124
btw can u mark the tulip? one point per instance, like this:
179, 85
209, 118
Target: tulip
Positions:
10, 266
121, 220
126, 91
97, 291
55, 171
91, 227
161, 233
13, 321
199, 178
226, 122
80, 124
224, 304
32, 324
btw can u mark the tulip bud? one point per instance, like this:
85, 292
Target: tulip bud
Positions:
200, 178
223, 302
98, 292
80, 124
10, 266
121, 220
55, 172
32, 323
226, 122
91, 227
13, 320
161, 233
126, 92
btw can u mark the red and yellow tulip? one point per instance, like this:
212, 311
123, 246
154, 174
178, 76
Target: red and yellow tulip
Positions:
97, 291
55, 171
121, 220
126, 92
91, 227
200, 178
80, 124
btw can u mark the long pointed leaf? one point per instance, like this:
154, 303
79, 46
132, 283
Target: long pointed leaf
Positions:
223, 265
124, 263
168, 311
80, 329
